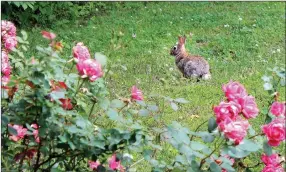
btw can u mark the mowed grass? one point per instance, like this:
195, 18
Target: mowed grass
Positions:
239, 50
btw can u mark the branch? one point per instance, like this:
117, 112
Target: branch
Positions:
204, 159
198, 128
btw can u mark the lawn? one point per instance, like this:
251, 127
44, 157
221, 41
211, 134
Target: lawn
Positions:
240, 40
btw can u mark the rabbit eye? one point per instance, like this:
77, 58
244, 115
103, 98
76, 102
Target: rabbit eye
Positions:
175, 47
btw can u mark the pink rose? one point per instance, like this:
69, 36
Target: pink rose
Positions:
234, 90
272, 168
21, 132
89, 68
249, 107
5, 64
278, 108
80, 51
5, 80
114, 163
275, 131
48, 35
7, 28
10, 43
226, 110
136, 94
270, 160
234, 130
93, 164
36, 132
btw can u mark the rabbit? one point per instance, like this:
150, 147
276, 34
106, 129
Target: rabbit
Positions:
190, 65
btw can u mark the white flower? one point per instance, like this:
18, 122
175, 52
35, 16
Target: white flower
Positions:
171, 69
226, 25
273, 52
254, 25
256, 45
181, 17
160, 9
133, 35
239, 18
278, 50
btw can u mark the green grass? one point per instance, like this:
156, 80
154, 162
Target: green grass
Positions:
241, 52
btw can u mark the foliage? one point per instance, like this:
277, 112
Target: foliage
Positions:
205, 136
47, 13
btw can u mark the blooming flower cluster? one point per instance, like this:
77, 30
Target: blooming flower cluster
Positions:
114, 164
87, 67
272, 163
8, 42
228, 113
22, 132
8, 35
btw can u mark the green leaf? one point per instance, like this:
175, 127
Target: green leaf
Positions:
267, 86
227, 166
24, 6
112, 114
153, 108
174, 106
25, 36
104, 103
100, 58
212, 124
57, 95
195, 166
208, 138
117, 103
63, 138
267, 148
214, 167
181, 100
235, 152
12, 131
81, 123
143, 112
4, 120
251, 131
147, 154
72, 146
248, 145
72, 129
197, 146
142, 103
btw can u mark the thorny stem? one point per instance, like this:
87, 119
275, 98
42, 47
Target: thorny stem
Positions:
204, 159
260, 134
198, 128
91, 110
79, 87
25, 150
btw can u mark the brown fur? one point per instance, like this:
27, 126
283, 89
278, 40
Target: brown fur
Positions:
189, 65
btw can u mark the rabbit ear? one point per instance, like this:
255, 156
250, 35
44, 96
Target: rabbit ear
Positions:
181, 40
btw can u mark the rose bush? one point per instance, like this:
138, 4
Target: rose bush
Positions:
58, 115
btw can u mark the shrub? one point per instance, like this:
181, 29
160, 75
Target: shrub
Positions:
53, 118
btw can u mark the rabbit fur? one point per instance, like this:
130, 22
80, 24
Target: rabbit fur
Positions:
190, 65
